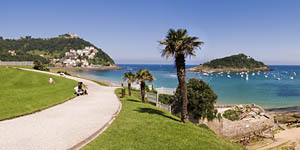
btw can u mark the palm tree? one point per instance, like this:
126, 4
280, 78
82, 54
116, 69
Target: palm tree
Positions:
179, 45
142, 76
130, 77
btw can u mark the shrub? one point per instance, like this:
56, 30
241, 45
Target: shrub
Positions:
65, 72
201, 100
153, 89
232, 115
39, 66
166, 98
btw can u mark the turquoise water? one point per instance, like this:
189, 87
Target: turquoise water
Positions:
266, 92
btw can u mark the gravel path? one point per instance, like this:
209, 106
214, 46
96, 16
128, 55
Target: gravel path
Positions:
65, 126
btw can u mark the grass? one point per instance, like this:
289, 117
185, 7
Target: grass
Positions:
25, 92
142, 126
26, 67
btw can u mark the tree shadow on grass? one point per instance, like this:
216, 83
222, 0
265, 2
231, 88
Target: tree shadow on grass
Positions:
155, 111
133, 100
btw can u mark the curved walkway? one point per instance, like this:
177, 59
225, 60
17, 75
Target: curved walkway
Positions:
66, 126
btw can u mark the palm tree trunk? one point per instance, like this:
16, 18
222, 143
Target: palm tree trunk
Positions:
181, 74
143, 91
129, 89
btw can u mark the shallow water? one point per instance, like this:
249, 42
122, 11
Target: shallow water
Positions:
267, 92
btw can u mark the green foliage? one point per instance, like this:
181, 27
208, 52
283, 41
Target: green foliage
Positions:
234, 61
166, 98
153, 89
64, 72
232, 115
147, 88
129, 77
30, 49
39, 66
201, 100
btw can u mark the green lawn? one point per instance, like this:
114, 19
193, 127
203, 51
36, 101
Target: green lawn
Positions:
142, 126
25, 92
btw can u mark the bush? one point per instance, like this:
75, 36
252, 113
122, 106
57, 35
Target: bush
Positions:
153, 89
147, 88
201, 100
166, 98
232, 115
65, 72
39, 66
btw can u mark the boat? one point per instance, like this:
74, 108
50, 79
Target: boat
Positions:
206, 74
292, 78
228, 76
242, 75
247, 78
266, 76
277, 78
253, 74
295, 74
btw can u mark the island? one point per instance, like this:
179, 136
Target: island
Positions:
234, 63
64, 51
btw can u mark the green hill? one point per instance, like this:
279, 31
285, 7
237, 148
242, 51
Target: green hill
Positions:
142, 126
235, 63
44, 49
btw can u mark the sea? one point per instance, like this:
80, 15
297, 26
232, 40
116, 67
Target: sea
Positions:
271, 89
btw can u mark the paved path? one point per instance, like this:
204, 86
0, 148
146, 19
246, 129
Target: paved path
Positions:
68, 125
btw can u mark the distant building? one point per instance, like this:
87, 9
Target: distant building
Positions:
12, 52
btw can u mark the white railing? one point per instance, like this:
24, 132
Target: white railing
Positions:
16, 63
153, 98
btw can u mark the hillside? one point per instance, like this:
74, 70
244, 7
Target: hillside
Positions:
52, 50
142, 126
234, 63
25, 92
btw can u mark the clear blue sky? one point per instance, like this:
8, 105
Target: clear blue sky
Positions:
268, 30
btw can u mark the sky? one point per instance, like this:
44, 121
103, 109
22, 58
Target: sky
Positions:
129, 30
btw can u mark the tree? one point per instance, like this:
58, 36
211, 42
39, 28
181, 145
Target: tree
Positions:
179, 45
201, 100
38, 65
130, 78
142, 76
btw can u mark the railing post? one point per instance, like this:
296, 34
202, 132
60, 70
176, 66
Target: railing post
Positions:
157, 97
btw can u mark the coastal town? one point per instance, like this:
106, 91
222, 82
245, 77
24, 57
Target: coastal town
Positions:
76, 58
72, 58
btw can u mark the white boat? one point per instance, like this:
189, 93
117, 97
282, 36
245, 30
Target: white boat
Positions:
295, 74
253, 74
247, 78
266, 76
206, 74
228, 76
277, 78
258, 73
242, 75
292, 78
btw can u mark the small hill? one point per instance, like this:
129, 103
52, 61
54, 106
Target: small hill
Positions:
142, 126
234, 63
44, 49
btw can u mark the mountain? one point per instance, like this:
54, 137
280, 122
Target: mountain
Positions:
49, 49
234, 63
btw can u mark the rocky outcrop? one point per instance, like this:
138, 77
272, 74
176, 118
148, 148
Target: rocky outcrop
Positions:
252, 119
